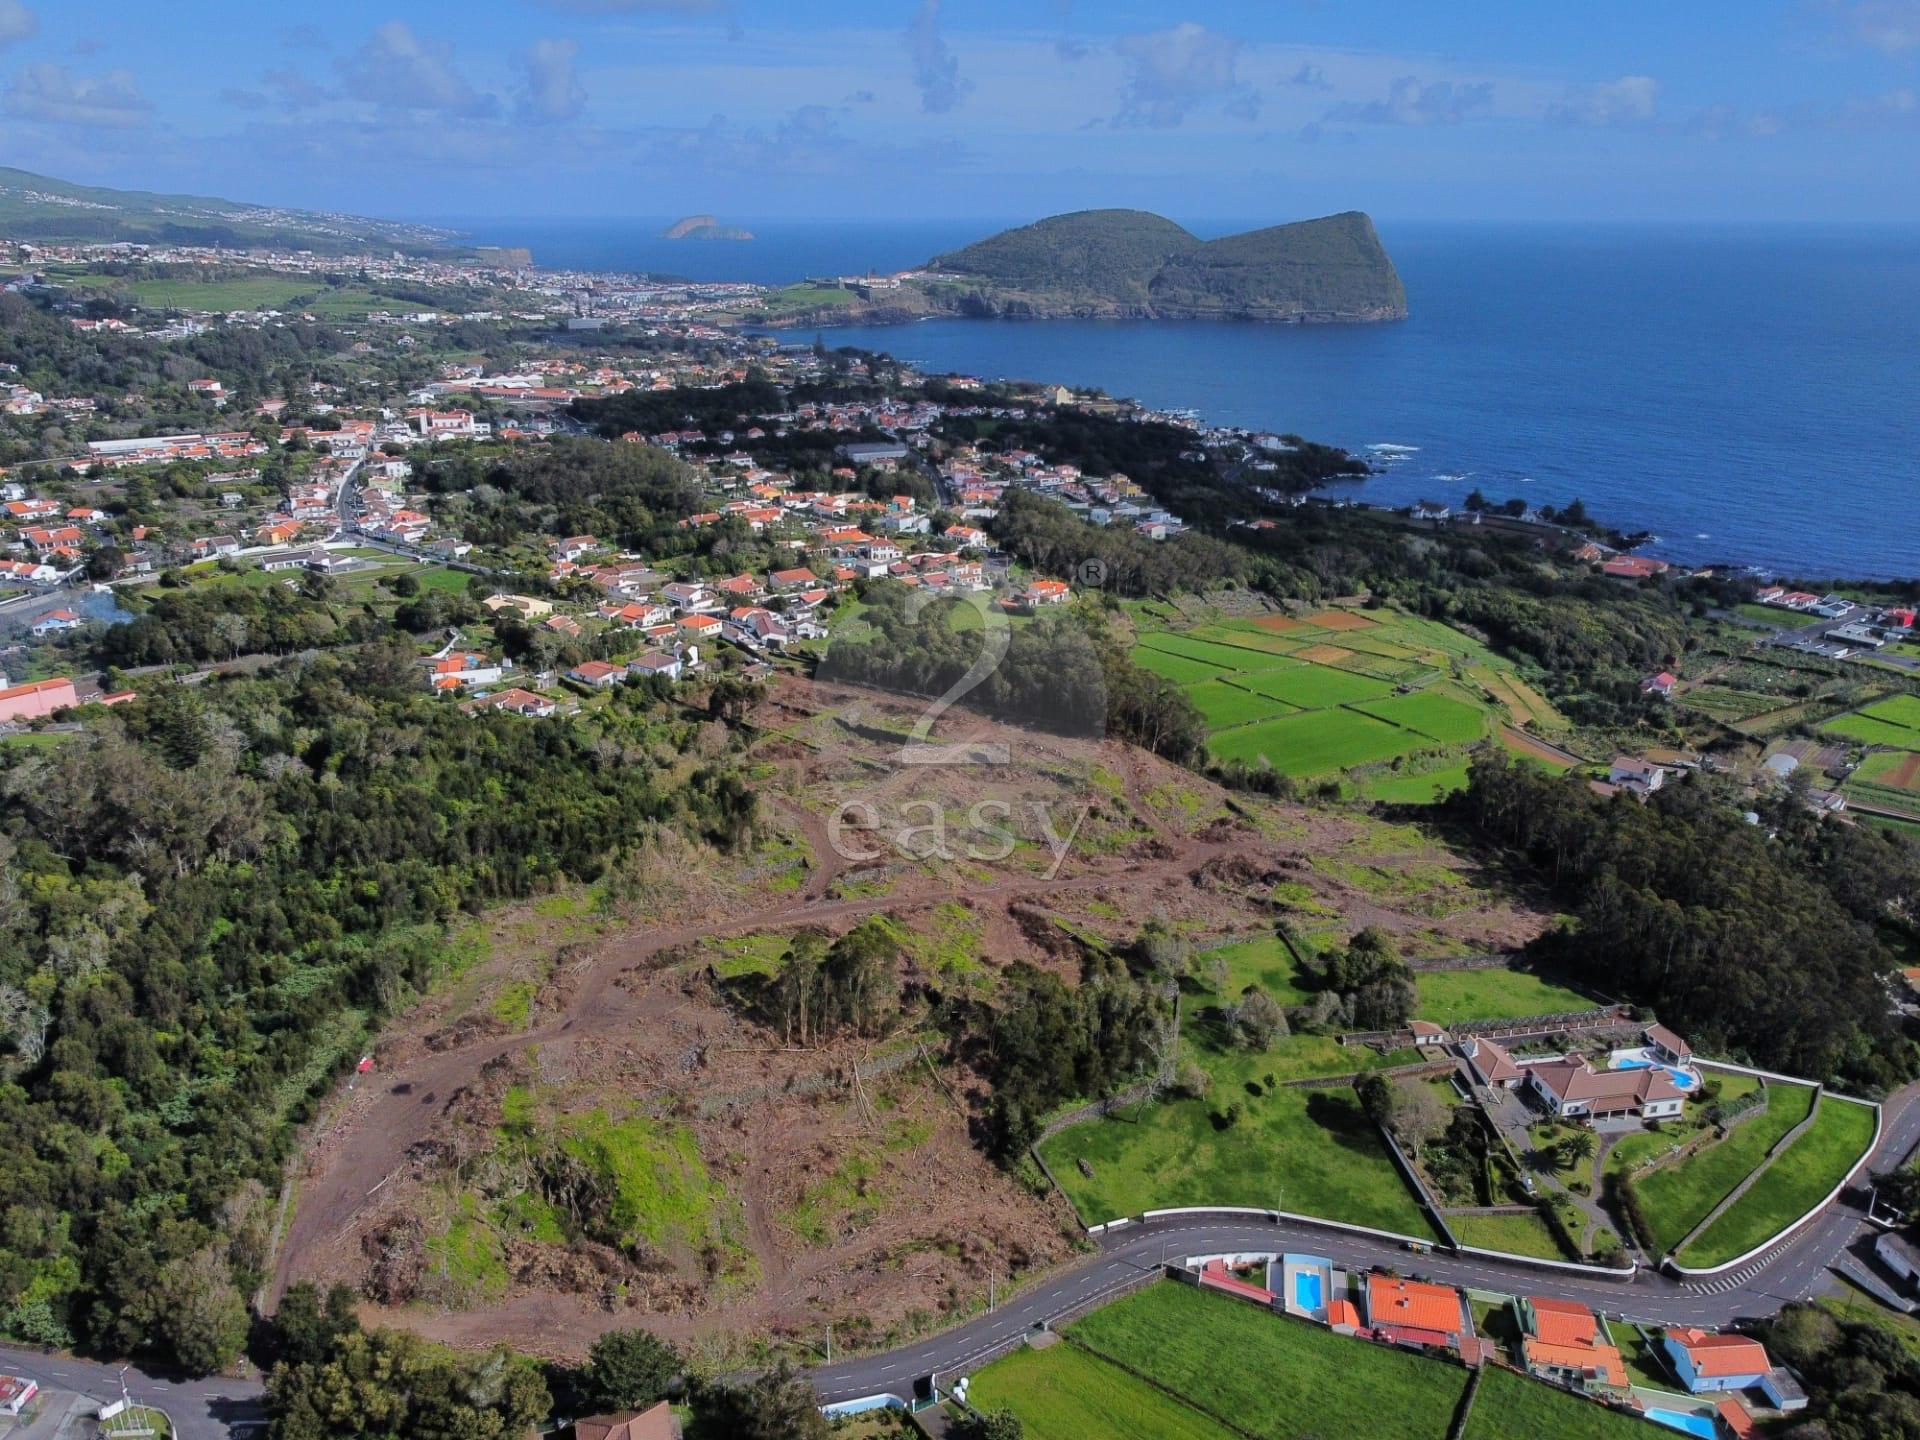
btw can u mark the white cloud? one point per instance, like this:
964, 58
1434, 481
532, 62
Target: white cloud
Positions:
1889, 25
1410, 102
1170, 72
553, 90
936, 69
16, 22
54, 93
398, 69
1630, 100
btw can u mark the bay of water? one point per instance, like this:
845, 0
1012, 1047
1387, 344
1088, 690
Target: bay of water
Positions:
1752, 395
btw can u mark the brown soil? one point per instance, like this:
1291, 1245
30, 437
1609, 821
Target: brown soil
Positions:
1339, 620
627, 1019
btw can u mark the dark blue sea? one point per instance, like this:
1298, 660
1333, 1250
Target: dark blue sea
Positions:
1751, 395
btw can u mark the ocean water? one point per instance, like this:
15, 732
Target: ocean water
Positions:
1751, 395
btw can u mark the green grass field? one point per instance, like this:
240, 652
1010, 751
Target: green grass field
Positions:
260, 292
1434, 716
1902, 710
1509, 1407
1798, 1179
1393, 788
1223, 705
1063, 1393
1313, 743
1277, 1378
1515, 1234
1871, 731
1177, 668
1679, 1196
1449, 996
1883, 768
1316, 687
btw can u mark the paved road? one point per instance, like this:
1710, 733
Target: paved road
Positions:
201, 1409
1793, 1270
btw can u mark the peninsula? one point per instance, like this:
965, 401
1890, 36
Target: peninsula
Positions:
1130, 264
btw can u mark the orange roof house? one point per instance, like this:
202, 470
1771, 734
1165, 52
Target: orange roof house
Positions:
1414, 1305
1564, 1342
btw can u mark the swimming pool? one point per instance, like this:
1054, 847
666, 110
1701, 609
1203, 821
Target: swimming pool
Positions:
1306, 1290
1691, 1422
1682, 1080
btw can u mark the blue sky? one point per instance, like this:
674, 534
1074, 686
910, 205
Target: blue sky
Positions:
1633, 110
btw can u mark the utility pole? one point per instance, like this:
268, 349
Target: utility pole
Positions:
989, 1294
829, 1342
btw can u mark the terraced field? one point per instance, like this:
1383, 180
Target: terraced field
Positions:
1889, 776
1393, 702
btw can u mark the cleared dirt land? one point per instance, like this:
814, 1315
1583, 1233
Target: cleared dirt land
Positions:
588, 1066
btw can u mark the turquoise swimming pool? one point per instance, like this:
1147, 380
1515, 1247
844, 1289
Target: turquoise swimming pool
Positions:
1690, 1422
1306, 1290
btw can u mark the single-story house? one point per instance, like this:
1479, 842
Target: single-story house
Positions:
1412, 1312
1662, 685
1706, 1361
1490, 1063
596, 673
1668, 1047
1901, 1256
657, 662
519, 702
1572, 1089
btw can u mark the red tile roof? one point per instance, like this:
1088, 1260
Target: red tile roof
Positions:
1414, 1303
1719, 1356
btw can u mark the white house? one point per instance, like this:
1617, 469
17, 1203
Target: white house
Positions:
1571, 1089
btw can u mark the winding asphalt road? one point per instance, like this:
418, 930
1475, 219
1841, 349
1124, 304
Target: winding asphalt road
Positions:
1795, 1269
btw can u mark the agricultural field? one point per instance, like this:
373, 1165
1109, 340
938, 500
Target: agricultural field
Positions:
1800, 1177
1450, 996
1063, 1393
1510, 1234
1288, 1378
1677, 1197
1391, 700
260, 292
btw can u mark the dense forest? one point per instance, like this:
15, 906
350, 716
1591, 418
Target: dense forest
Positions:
206, 903
1762, 939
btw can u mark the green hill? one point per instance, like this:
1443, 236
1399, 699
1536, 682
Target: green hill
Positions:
1334, 268
1099, 255
37, 207
1128, 263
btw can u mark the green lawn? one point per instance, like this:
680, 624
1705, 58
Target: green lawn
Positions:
1903, 710
1315, 1150
1277, 1378
1515, 1234
1679, 1197
1509, 1407
1772, 615
1450, 996
1063, 1393
1265, 962
1796, 1181
1313, 743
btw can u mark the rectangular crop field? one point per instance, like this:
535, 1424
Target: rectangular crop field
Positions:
1901, 710
1679, 1196
1508, 1407
1450, 996
1063, 1393
1223, 705
1391, 788
1278, 1378
1247, 635
1340, 620
1212, 652
1799, 1178
1869, 731
1434, 716
1892, 769
1315, 687
1313, 743
1177, 668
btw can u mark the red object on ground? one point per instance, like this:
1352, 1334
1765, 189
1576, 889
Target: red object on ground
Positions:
366, 1064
